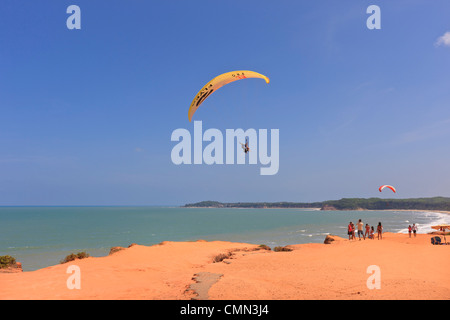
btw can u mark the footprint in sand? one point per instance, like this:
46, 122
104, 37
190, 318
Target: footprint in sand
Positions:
203, 282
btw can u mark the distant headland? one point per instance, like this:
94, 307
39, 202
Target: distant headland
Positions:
434, 203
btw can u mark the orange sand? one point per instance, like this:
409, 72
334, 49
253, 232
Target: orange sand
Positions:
410, 269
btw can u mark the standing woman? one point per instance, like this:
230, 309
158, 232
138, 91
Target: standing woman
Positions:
350, 230
367, 233
380, 231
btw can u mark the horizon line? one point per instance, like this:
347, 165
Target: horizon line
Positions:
178, 205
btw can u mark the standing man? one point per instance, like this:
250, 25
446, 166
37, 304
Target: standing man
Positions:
360, 230
414, 229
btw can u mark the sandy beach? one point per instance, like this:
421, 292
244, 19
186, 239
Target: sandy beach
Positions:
409, 268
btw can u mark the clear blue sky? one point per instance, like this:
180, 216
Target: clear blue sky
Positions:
87, 115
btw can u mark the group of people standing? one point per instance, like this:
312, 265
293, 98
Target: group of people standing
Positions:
369, 231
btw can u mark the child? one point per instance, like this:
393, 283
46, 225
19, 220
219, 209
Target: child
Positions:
409, 230
371, 233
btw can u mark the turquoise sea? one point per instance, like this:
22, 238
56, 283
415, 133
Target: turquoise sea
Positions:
42, 236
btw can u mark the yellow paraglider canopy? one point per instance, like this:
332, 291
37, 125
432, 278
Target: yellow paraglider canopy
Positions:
218, 82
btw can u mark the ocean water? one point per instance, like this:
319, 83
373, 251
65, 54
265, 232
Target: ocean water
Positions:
42, 236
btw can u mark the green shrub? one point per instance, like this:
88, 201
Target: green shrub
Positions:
6, 261
74, 256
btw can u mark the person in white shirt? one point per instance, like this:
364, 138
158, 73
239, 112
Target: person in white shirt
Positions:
360, 230
414, 229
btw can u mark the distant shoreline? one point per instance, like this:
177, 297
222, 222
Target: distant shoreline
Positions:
212, 207
437, 204
320, 209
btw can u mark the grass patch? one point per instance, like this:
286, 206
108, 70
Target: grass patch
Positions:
220, 257
279, 249
115, 249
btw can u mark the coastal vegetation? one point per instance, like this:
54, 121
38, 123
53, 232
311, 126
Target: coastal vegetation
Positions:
7, 261
222, 256
434, 203
74, 256
279, 249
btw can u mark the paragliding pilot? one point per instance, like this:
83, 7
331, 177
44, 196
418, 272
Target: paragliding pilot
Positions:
245, 146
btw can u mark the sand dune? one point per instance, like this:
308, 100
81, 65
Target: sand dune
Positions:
409, 269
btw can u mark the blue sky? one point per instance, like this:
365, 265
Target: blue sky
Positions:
87, 115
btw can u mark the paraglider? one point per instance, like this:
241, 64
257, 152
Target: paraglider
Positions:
245, 146
219, 82
387, 186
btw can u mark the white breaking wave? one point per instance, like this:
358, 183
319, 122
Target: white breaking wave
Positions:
435, 218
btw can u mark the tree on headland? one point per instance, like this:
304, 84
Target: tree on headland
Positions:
435, 203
